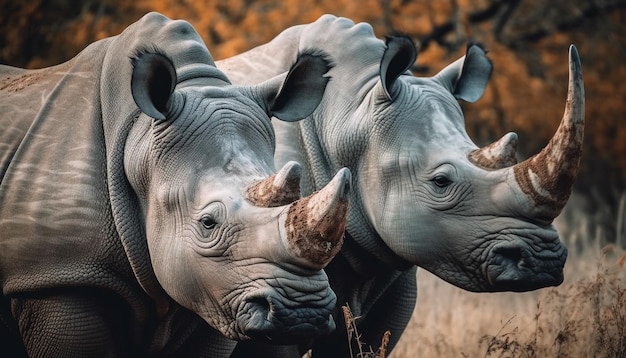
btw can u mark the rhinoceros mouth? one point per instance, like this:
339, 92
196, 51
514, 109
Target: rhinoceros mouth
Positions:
268, 316
519, 266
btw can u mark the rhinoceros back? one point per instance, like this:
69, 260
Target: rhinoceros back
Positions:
56, 227
69, 220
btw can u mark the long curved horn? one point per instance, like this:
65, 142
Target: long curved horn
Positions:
547, 177
315, 225
279, 189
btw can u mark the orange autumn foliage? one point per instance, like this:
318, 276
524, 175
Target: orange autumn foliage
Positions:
526, 94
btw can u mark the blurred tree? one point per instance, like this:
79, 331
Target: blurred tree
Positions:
527, 41
41, 33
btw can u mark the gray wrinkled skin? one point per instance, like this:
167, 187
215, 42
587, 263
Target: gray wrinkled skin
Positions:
124, 224
424, 194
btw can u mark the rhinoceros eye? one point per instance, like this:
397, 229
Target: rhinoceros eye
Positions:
441, 181
208, 222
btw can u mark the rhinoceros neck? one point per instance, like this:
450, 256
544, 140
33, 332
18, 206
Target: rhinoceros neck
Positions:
359, 278
372, 250
194, 66
321, 142
323, 145
56, 216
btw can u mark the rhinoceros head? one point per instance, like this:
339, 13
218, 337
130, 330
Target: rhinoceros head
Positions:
229, 239
474, 217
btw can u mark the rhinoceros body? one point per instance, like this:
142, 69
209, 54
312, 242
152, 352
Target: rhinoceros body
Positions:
140, 212
423, 193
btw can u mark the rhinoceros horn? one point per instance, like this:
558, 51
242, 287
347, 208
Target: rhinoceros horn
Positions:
547, 177
497, 155
279, 189
315, 225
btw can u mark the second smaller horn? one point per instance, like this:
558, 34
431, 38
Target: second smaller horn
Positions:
280, 189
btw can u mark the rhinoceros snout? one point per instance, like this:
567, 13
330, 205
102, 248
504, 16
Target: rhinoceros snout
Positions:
269, 317
518, 267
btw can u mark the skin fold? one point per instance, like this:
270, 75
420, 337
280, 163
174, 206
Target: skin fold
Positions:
424, 194
140, 210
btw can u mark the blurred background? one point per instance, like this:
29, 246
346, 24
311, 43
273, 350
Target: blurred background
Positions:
527, 41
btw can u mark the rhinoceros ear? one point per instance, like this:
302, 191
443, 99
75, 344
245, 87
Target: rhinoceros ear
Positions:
302, 90
152, 83
398, 58
467, 77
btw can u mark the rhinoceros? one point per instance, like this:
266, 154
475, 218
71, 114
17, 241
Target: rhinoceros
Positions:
424, 195
140, 211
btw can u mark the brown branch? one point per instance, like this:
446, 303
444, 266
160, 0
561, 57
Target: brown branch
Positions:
441, 31
387, 22
486, 13
437, 34
501, 21
571, 23
499, 10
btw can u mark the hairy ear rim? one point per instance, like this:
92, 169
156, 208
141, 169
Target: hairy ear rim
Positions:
471, 88
399, 56
153, 81
303, 87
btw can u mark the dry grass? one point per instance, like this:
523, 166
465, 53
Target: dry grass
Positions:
583, 317
354, 338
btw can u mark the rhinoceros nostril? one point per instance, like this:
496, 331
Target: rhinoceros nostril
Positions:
270, 317
262, 305
514, 255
